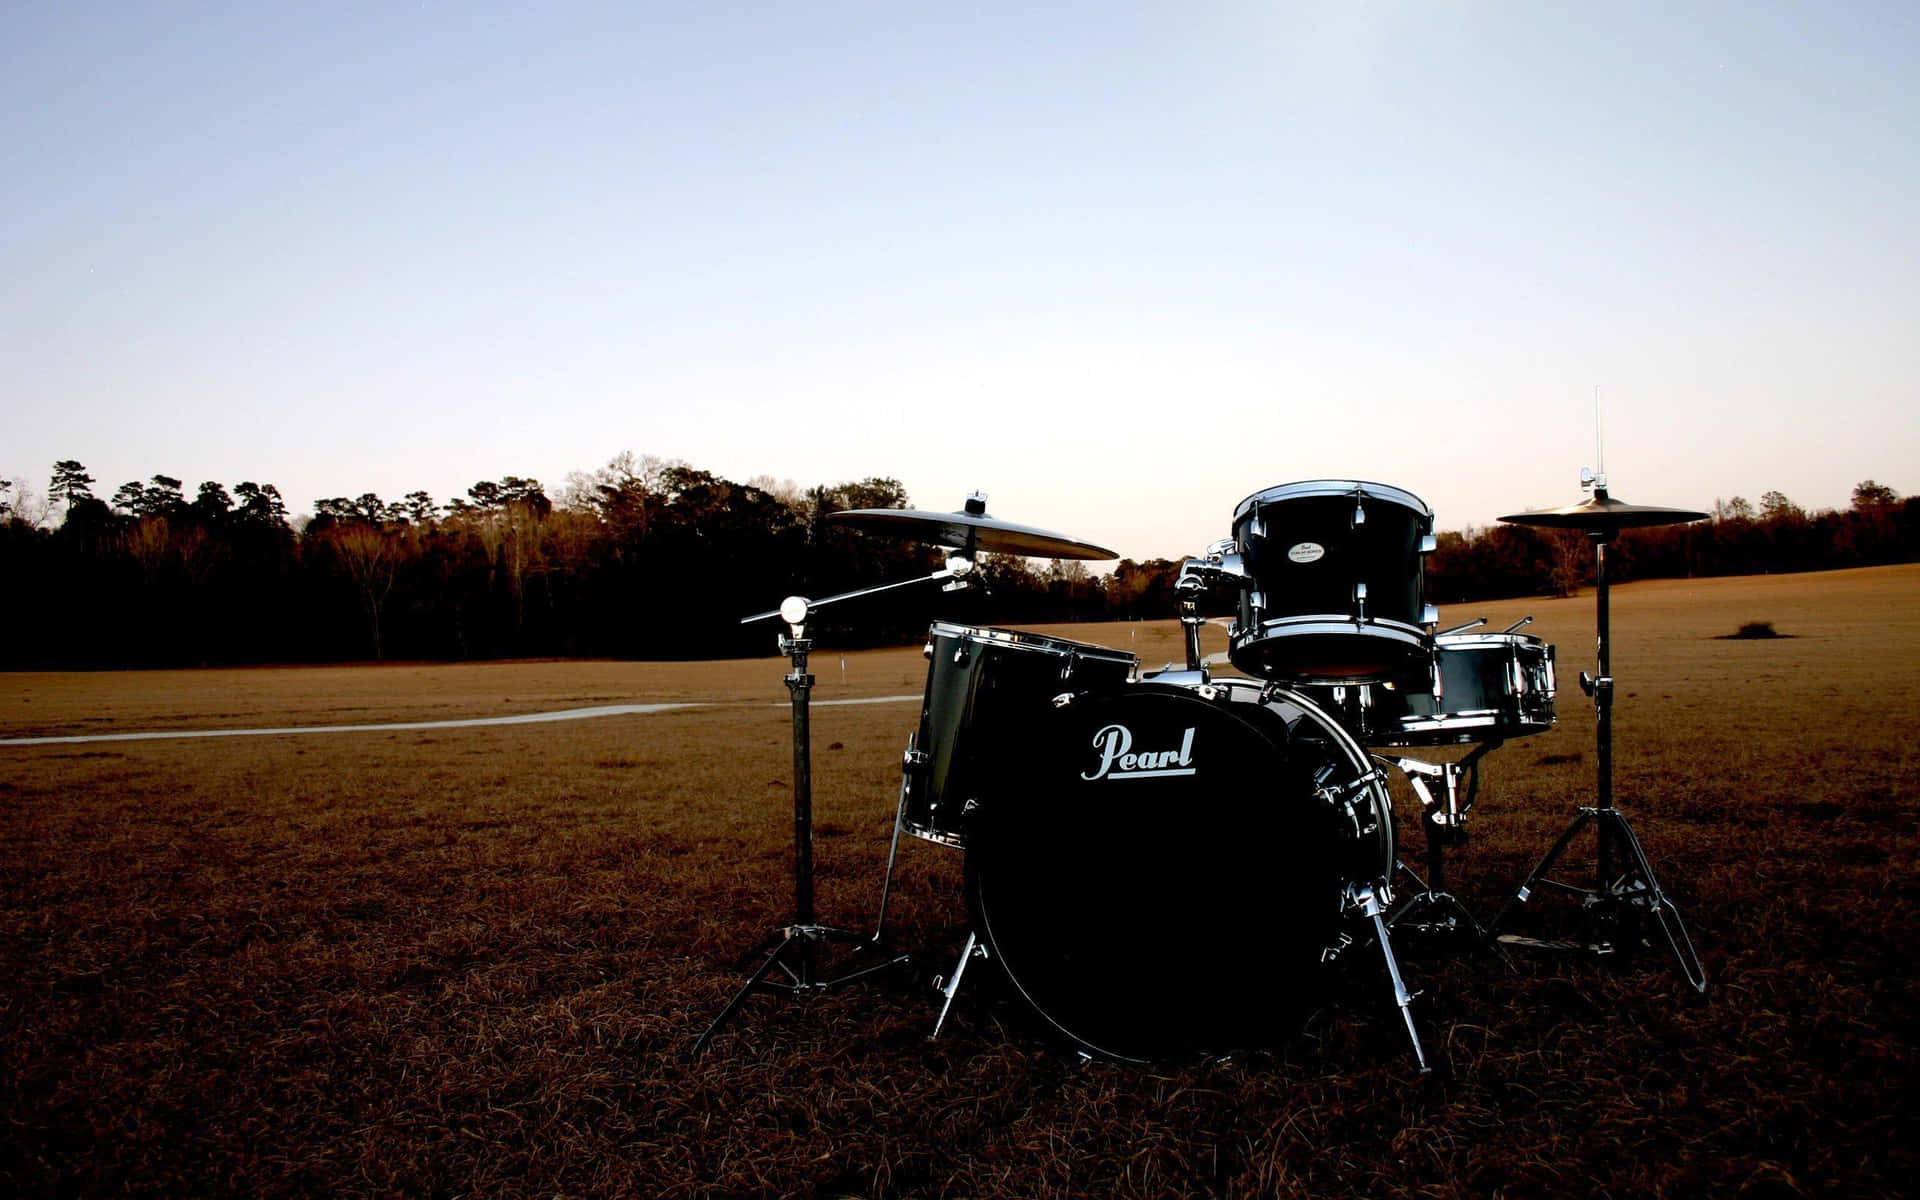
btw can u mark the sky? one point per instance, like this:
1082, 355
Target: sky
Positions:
1116, 265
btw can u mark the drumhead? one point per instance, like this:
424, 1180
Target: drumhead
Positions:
1152, 872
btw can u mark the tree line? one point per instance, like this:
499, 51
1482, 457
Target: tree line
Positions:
655, 558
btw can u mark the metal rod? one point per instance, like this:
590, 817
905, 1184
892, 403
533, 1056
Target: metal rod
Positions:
800, 684
951, 571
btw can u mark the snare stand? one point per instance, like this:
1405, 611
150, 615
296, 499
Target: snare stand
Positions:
1623, 877
1433, 909
793, 953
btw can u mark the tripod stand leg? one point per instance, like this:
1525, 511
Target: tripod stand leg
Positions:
754, 980
893, 853
1664, 910
1525, 890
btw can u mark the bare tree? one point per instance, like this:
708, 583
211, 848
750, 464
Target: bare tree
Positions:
148, 541
30, 507
371, 556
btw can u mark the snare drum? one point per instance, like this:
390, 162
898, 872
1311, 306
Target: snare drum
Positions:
1492, 686
1337, 582
983, 686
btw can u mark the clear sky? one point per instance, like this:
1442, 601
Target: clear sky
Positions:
1118, 265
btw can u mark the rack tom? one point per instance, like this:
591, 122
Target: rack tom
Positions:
1336, 583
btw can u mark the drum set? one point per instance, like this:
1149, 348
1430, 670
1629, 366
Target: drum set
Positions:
1167, 864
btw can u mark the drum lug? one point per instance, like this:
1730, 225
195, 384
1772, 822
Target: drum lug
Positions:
1360, 603
926, 651
1430, 616
1429, 543
1359, 507
1341, 942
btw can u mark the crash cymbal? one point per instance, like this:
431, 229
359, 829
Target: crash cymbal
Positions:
1601, 513
970, 529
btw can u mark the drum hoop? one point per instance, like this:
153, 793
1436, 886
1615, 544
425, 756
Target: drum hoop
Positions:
1039, 643
1361, 758
1322, 488
1331, 623
1487, 641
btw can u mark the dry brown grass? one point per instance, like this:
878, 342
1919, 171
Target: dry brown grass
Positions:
468, 961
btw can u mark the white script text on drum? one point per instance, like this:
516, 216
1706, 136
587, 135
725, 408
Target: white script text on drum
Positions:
1115, 744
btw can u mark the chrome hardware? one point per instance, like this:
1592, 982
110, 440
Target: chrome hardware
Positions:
1429, 544
1515, 627
1360, 603
1221, 562
1430, 616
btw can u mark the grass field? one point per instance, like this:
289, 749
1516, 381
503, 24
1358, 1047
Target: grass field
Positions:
468, 961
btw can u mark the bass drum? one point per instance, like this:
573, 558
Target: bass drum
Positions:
1159, 871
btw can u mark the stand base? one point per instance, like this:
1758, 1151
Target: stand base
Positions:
1608, 906
1436, 916
799, 974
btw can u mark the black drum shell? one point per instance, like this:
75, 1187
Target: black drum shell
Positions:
984, 685
1304, 553
1492, 686
1173, 905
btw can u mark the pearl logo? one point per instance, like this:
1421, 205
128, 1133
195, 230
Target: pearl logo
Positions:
1307, 552
1114, 745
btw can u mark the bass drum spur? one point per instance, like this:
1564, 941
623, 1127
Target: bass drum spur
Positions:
1159, 870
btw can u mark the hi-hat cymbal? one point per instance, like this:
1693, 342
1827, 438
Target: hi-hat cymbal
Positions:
960, 530
1601, 513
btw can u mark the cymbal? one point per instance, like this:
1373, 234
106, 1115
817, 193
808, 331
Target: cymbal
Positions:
1601, 513
961, 529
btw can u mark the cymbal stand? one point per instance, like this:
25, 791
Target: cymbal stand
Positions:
1623, 877
794, 953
